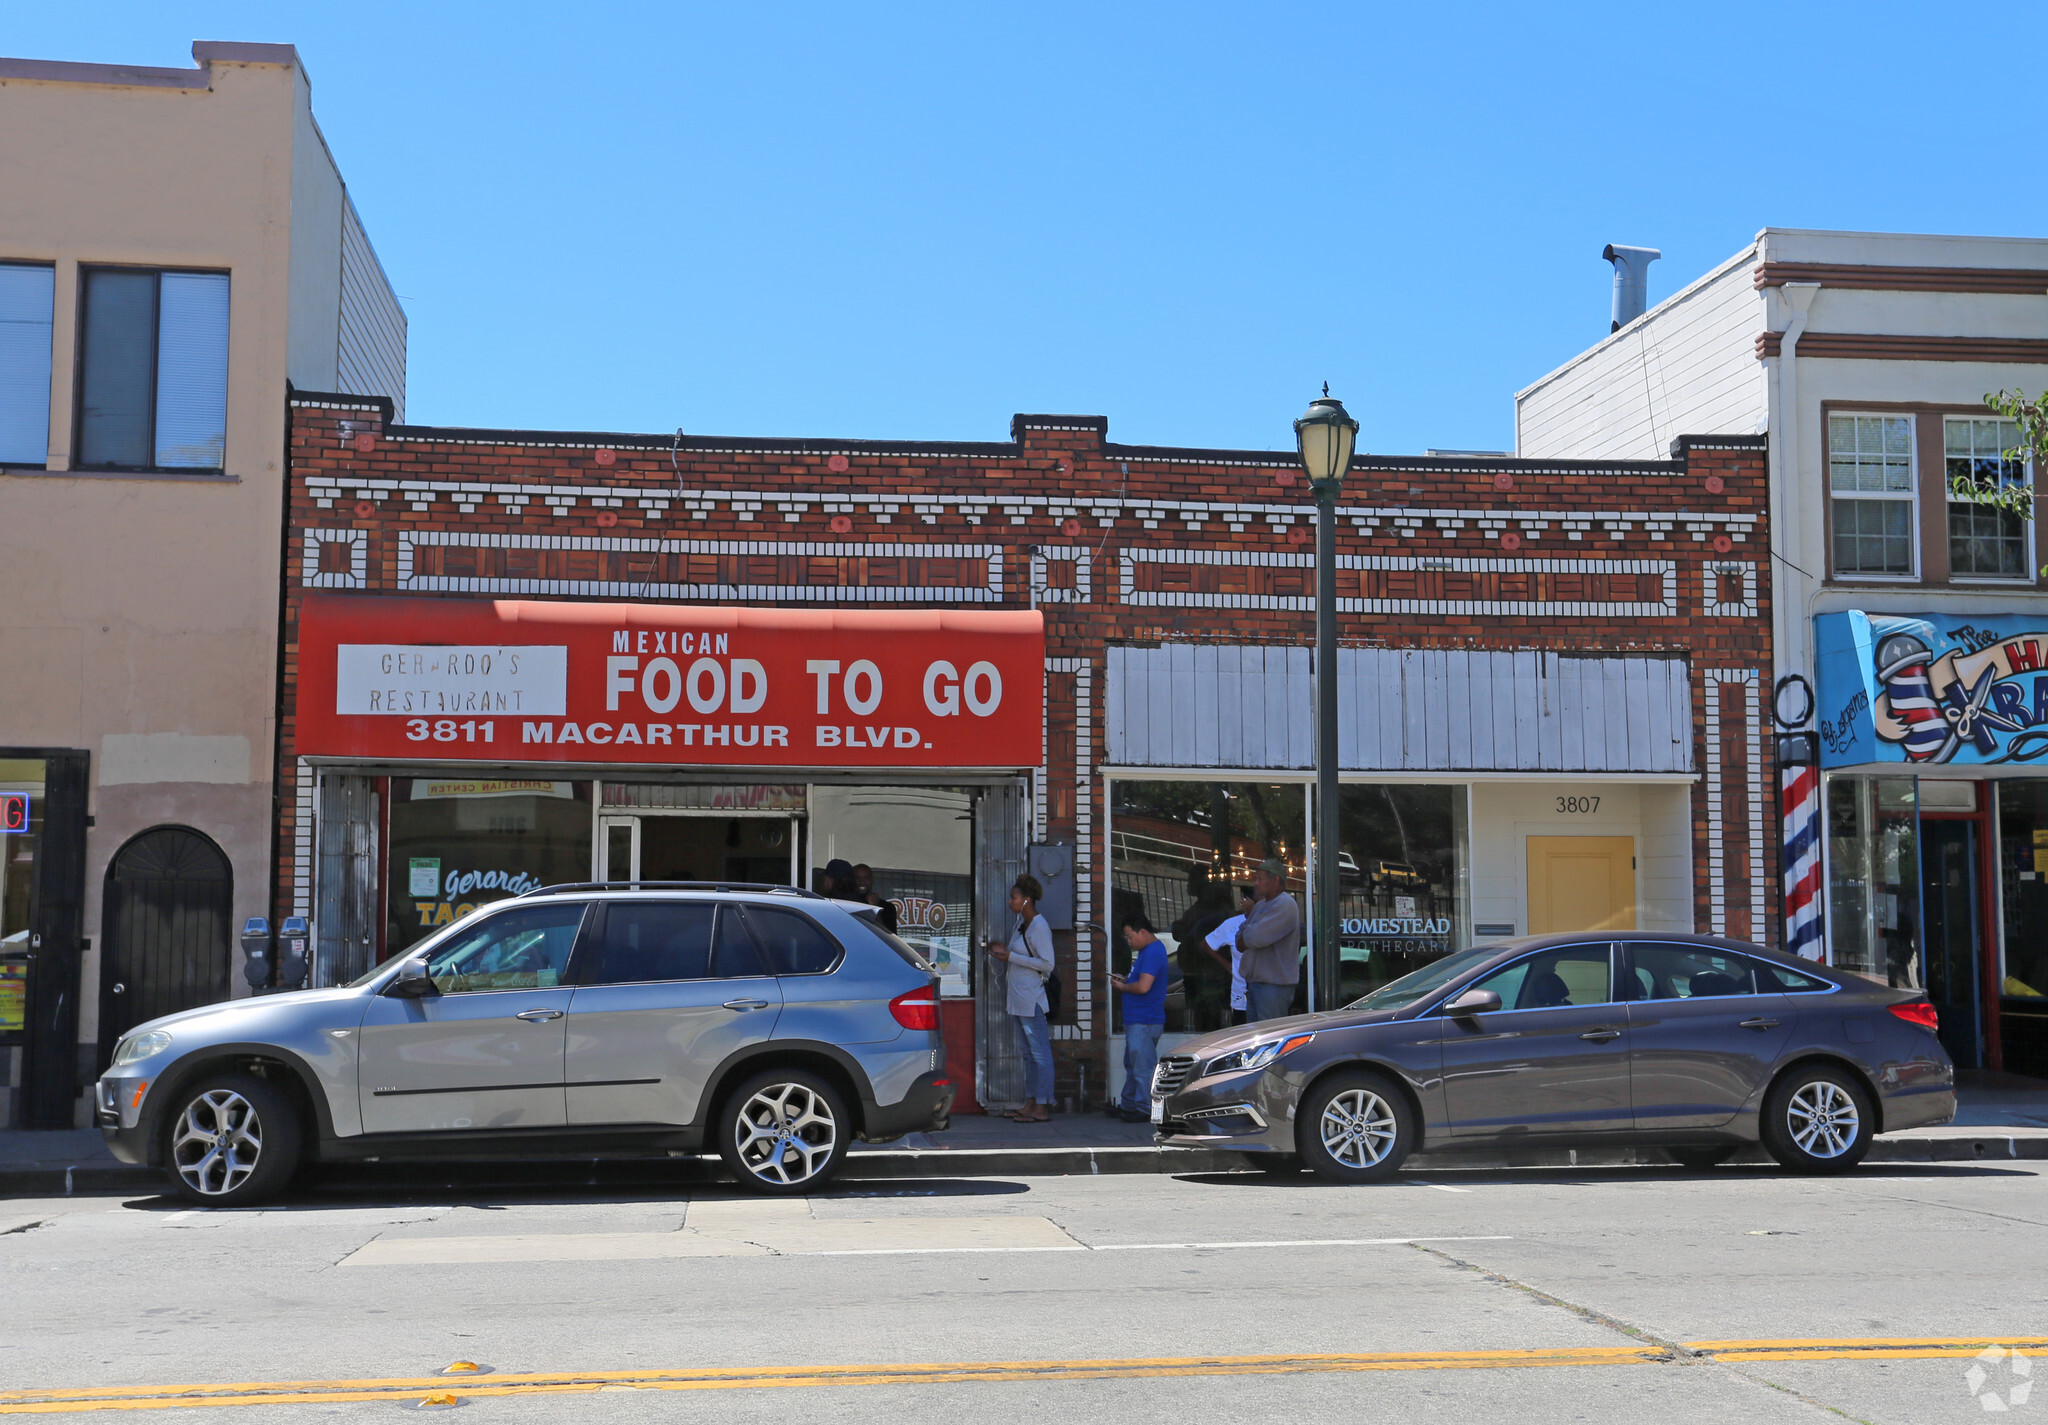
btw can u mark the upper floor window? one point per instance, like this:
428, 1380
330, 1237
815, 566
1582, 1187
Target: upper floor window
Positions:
1984, 541
28, 297
1871, 494
152, 369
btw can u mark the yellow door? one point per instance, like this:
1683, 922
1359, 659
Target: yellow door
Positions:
1581, 883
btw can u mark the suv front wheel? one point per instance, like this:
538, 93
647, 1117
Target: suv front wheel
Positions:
784, 1131
233, 1140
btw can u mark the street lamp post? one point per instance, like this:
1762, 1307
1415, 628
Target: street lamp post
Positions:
1326, 436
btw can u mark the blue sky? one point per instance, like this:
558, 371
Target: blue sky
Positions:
912, 221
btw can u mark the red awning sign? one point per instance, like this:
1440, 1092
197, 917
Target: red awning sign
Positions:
518, 681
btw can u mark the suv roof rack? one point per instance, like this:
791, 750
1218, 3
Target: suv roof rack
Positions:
570, 886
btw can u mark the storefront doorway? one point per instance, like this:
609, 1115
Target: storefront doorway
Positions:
1949, 896
1581, 883
702, 846
168, 908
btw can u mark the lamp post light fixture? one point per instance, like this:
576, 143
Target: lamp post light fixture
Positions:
1326, 436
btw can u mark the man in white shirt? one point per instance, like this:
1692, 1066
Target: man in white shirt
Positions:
1225, 935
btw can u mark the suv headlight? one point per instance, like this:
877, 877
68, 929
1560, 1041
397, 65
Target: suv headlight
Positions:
1256, 1056
141, 1047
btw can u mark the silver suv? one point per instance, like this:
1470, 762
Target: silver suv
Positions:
767, 1024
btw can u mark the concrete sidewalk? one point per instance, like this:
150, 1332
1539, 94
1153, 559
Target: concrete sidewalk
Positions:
1998, 1117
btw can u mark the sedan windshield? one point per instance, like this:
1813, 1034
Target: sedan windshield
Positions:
1422, 983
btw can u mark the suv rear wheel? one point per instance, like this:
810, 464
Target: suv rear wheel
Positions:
1354, 1127
784, 1131
232, 1140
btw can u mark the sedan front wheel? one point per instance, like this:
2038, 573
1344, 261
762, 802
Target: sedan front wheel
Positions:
1354, 1127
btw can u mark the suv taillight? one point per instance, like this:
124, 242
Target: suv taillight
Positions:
1918, 1012
916, 1009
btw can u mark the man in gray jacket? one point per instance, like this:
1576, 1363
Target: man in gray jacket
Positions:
1271, 941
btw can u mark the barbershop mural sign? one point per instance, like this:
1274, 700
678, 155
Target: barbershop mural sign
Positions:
1933, 690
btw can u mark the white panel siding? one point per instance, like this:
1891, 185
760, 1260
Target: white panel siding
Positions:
1400, 709
371, 359
1687, 367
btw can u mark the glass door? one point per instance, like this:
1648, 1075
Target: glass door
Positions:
699, 846
1949, 897
618, 849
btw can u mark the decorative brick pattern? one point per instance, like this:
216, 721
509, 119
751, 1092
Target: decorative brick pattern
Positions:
1115, 544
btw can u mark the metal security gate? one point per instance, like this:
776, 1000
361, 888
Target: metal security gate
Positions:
1002, 832
168, 901
345, 906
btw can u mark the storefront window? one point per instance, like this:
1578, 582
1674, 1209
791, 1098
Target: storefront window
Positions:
460, 843
1179, 852
1874, 878
913, 849
2023, 887
710, 831
21, 822
1402, 868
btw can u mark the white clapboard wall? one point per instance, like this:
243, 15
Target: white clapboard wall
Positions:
1399, 709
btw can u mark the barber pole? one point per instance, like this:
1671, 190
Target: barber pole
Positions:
1799, 790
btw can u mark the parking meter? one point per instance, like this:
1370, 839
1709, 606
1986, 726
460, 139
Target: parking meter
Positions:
294, 941
256, 951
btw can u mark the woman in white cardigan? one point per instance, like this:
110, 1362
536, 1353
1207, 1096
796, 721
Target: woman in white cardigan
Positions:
1028, 952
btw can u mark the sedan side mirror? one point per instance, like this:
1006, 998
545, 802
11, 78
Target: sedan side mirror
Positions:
411, 981
1473, 1002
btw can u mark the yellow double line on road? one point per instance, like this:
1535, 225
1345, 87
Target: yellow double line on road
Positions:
333, 1392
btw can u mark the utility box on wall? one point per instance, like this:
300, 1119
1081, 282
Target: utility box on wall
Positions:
1052, 865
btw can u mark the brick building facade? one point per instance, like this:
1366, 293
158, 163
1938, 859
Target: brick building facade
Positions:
1550, 668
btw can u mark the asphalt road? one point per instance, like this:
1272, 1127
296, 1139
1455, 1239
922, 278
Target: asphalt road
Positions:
1452, 1296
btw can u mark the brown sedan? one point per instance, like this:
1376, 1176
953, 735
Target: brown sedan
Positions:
1682, 1042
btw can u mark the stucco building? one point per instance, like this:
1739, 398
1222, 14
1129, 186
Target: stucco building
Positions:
176, 245
1910, 624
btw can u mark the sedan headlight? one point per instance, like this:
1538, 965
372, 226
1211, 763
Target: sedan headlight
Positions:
141, 1047
1257, 1056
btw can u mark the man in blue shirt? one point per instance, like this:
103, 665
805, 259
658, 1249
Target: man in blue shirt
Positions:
1144, 992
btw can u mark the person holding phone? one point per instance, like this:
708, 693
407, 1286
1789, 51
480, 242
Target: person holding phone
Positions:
1028, 955
1144, 992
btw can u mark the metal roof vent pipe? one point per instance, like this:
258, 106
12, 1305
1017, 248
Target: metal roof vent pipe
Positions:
1631, 281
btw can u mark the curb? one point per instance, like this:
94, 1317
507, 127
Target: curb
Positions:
880, 1164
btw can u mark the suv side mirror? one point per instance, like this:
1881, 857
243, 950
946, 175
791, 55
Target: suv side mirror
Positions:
411, 981
1473, 1002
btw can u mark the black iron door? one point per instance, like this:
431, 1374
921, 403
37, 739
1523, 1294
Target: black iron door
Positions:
167, 930
1949, 901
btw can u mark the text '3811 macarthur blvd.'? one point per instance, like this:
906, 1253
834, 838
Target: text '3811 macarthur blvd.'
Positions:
646, 683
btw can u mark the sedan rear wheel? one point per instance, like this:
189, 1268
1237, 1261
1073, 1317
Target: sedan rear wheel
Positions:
1354, 1127
1818, 1120
784, 1131
233, 1140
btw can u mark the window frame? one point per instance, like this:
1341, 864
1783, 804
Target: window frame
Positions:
49, 366
747, 910
1631, 947
1910, 496
1614, 961
78, 359
2026, 576
471, 924
589, 946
